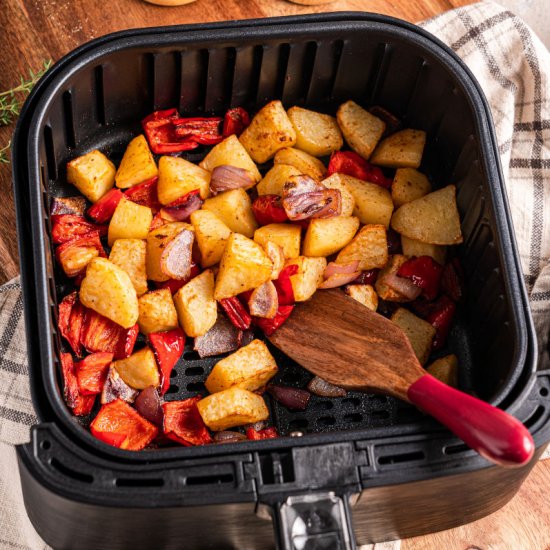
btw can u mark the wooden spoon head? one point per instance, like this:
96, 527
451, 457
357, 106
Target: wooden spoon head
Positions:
347, 344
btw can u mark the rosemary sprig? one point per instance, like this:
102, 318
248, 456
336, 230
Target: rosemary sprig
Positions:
4, 156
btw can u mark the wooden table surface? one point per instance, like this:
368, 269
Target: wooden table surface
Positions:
34, 30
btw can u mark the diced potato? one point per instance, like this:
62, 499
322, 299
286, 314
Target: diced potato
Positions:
130, 255
130, 221
196, 306
269, 131
250, 367
93, 174
244, 266
157, 312
178, 176
392, 267
139, 370
230, 152
361, 130
305, 163
316, 133
156, 243
211, 235
234, 208
308, 278
338, 181
412, 247
108, 290
329, 235
408, 185
273, 182
445, 369
419, 332
137, 164
403, 149
276, 256
369, 247
233, 407
364, 294
287, 236
431, 219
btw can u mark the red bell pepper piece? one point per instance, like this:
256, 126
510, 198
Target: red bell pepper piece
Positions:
159, 129
203, 130
452, 280
158, 221
168, 347
269, 326
283, 285
118, 424
74, 255
236, 312
269, 209
367, 277
81, 405
145, 194
183, 422
66, 227
425, 273
258, 435
235, 121
92, 371
102, 211
352, 164
70, 320
441, 318
174, 285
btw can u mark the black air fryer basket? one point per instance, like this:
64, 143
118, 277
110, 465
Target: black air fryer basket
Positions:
380, 462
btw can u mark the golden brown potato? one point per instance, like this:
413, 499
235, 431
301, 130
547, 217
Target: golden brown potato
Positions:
412, 247
338, 181
232, 407
108, 290
157, 312
273, 182
316, 133
130, 255
305, 163
250, 367
93, 174
130, 221
139, 370
361, 130
157, 240
137, 164
178, 176
364, 294
445, 369
403, 149
369, 247
329, 235
408, 185
419, 332
308, 278
287, 236
269, 131
211, 235
385, 291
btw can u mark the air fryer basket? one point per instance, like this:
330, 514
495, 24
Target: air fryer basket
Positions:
95, 98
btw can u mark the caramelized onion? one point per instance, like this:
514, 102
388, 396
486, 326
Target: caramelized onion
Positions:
226, 177
298, 185
176, 259
339, 279
116, 388
321, 387
404, 286
75, 206
221, 338
228, 436
340, 269
275, 254
175, 212
147, 404
324, 203
264, 301
292, 398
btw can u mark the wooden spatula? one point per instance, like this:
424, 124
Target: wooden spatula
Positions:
342, 341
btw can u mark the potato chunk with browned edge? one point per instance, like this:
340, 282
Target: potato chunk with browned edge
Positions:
445, 369
157, 312
234, 208
139, 370
274, 181
130, 221
130, 255
329, 235
403, 149
137, 164
408, 185
157, 240
412, 247
308, 278
369, 247
373, 203
304, 162
364, 294
211, 235
385, 291
178, 176
93, 174
338, 181
419, 332
285, 235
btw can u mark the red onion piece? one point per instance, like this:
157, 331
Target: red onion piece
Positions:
226, 177
181, 209
292, 398
298, 185
147, 404
264, 301
116, 388
321, 387
339, 279
176, 259
76, 206
367, 277
340, 269
325, 203
405, 287
248, 336
221, 338
228, 436
257, 426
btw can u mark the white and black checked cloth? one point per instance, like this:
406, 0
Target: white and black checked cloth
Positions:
513, 67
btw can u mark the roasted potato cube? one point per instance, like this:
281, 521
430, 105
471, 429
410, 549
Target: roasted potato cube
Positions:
137, 164
305, 163
244, 266
316, 133
130, 255
178, 176
232, 407
196, 306
157, 312
93, 174
308, 278
230, 152
445, 369
412, 247
361, 130
273, 182
211, 235
373, 203
432, 218
369, 247
419, 332
338, 181
408, 185
392, 267
364, 294
130, 221
329, 235
250, 368
156, 243
108, 290
403, 149
234, 208
139, 370
287, 236
269, 131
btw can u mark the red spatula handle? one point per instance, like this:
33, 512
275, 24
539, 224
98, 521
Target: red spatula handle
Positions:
494, 434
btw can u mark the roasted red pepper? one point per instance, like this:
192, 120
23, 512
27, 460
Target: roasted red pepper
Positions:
120, 425
102, 211
352, 164
70, 320
168, 347
80, 404
452, 280
76, 254
269, 326
92, 371
283, 284
180, 209
367, 277
145, 194
269, 209
183, 422
159, 129
66, 227
425, 273
441, 318
258, 435
236, 312
174, 285
203, 130
235, 121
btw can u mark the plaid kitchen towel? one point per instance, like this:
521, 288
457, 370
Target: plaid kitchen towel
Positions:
513, 68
